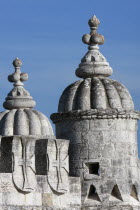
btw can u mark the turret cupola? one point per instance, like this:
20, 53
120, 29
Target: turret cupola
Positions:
20, 117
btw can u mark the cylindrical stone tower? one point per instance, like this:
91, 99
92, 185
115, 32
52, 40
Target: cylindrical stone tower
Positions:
97, 115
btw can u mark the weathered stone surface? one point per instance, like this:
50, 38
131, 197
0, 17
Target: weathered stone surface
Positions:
95, 93
21, 119
110, 142
24, 163
24, 122
57, 151
53, 190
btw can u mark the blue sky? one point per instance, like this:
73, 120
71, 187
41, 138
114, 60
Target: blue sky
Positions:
46, 36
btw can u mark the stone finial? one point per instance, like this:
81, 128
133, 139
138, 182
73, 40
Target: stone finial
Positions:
19, 97
93, 38
17, 77
94, 22
93, 64
17, 63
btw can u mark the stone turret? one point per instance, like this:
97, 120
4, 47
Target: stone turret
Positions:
20, 118
34, 166
97, 115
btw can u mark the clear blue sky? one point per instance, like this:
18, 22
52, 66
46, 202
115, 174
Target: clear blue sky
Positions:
46, 36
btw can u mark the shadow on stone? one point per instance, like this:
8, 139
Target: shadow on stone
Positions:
115, 194
134, 193
93, 195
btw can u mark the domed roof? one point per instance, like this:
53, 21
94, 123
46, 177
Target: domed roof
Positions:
20, 118
95, 93
96, 90
24, 122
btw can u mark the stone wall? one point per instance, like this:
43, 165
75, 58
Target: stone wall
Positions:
42, 198
34, 174
103, 152
114, 207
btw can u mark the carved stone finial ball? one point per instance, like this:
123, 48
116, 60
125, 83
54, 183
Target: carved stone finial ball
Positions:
86, 39
97, 39
94, 22
17, 63
14, 77
23, 77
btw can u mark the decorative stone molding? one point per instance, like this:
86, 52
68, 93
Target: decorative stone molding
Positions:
23, 150
93, 63
95, 114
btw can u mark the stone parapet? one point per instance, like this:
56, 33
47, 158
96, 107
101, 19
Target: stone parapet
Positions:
42, 198
34, 174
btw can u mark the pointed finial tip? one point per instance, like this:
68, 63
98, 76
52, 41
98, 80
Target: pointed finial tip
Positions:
94, 22
17, 63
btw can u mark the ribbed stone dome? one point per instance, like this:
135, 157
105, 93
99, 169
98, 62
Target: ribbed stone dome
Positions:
24, 122
95, 93
21, 118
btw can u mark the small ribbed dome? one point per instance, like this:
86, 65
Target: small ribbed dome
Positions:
21, 119
95, 93
24, 122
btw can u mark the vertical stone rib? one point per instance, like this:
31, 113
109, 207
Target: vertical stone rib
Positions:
45, 124
83, 95
112, 94
2, 114
34, 123
21, 123
67, 98
98, 97
8, 122
126, 99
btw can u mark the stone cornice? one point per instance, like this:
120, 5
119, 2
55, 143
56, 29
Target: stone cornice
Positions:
95, 114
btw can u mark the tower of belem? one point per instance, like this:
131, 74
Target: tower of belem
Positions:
92, 163
97, 115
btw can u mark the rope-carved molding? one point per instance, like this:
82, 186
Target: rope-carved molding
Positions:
96, 113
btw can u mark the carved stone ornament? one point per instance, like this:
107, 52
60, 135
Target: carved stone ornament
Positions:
58, 165
93, 64
18, 97
24, 164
